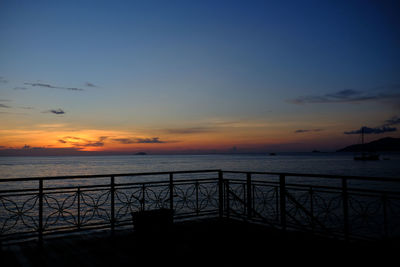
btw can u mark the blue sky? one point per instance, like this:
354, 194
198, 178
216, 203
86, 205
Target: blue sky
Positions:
146, 67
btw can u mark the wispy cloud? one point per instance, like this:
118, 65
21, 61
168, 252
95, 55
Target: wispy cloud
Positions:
308, 130
191, 130
124, 141
153, 140
3, 80
4, 105
89, 84
81, 142
375, 130
393, 121
351, 95
55, 111
386, 127
46, 85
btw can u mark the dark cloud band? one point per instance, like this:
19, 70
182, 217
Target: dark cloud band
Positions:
46, 85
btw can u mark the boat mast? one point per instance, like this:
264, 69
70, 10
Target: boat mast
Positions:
362, 135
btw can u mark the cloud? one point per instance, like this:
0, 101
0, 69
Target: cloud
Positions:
20, 88
386, 127
3, 80
46, 85
124, 141
81, 142
72, 88
192, 130
375, 130
393, 121
4, 106
154, 140
351, 95
307, 131
89, 84
55, 111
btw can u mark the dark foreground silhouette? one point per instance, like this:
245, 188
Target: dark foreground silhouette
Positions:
206, 242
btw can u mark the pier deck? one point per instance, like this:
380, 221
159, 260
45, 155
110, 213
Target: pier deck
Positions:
201, 242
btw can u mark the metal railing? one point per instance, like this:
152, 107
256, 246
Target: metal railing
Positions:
347, 207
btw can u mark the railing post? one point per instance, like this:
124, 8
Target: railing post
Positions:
312, 208
221, 193
112, 191
171, 191
282, 200
40, 229
345, 199
143, 196
196, 185
249, 196
227, 204
385, 217
79, 208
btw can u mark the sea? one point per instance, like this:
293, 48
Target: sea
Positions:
304, 163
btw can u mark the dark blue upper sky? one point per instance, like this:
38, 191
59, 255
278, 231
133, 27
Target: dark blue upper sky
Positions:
286, 65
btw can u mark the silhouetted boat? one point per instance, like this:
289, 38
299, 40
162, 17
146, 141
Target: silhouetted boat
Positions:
365, 156
272, 154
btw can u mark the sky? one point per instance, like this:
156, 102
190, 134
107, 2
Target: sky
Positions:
196, 76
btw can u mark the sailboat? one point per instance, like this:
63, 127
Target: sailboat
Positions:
365, 155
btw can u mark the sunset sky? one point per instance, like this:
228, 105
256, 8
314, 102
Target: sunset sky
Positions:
197, 76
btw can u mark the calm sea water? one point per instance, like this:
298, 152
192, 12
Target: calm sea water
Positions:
318, 163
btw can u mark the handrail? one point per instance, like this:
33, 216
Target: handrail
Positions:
310, 175
103, 175
330, 176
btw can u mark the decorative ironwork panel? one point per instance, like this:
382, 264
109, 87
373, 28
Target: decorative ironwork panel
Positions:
185, 198
265, 201
236, 197
127, 200
18, 213
95, 207
207, 197
156, 197
366, 215
392, 214
327, 209
59, 210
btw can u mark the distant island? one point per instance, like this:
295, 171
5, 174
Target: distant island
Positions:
141, 153
388, 144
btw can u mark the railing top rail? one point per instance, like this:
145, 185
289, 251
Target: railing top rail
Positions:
104, 175
330, 176
327, 176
